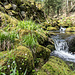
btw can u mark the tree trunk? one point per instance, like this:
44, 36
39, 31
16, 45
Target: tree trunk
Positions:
48, 10
66, 7
58, 12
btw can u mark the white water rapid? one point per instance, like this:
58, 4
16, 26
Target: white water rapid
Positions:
62, 49
62, 30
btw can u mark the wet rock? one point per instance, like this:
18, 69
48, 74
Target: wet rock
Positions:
14, 6
71, 43
23, 13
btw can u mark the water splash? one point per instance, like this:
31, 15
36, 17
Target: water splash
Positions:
61, 45
62, 49
62, 30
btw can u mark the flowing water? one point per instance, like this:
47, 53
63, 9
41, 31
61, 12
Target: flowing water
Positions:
62, 49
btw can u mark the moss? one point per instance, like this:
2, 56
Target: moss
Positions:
49, 34
31, 11
25, 54
23, 32
43, 27
51, 28
56, 66
8, 6
46, 24
51, 47
42, 38
16, 43
11, 28
6, 19
2, 9
39, 62
71, 29
42, 73
23, 58
67, 21
13, 13
42, 52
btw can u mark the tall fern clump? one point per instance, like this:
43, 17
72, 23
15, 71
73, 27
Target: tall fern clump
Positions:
30, 25
30, 40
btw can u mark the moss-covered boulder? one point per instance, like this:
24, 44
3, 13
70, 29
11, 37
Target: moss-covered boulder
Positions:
39, 62
23, 59
6, 19
55, 66
51, 28
24, 55
42, 52
22, 9
71, 29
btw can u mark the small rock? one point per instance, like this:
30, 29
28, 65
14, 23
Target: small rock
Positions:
14, 6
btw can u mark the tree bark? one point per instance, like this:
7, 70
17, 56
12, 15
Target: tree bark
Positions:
58, 12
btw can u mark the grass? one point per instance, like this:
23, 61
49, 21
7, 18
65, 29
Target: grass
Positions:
13, 70
30, 25
7, 39
8, 36
30, 40
11, 66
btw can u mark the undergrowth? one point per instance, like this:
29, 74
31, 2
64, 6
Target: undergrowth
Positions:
30, 25
30, 40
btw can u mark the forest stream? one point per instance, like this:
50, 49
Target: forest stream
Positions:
61, 46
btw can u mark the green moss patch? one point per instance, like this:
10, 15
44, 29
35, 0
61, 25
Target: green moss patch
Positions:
55, 66
22, 57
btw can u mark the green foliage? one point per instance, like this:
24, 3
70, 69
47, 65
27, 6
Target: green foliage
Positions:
7, 40
11, 65
13, 68
8, 36
30, 40
30, 25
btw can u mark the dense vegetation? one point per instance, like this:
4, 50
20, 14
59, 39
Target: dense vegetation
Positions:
25, 40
